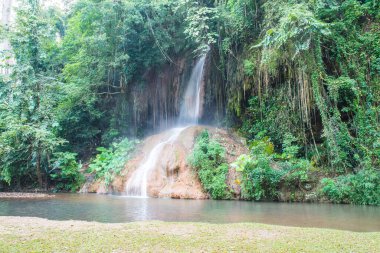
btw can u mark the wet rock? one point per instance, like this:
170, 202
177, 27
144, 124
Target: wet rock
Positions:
90, 178
311, 197
172, 176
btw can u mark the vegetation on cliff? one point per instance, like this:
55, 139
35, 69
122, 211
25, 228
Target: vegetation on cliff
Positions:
109, 162
208, 158
299, 79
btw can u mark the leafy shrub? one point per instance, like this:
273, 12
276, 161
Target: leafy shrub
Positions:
260, 180
296, 172
362, 188
270, 116
264, 171
248, 67
289, 150
297, 169
65, 172
208, 158
110, 161
214, 181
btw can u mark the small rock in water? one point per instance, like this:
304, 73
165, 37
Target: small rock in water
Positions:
311, 197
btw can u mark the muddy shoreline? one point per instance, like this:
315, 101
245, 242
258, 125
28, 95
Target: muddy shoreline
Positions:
25, 195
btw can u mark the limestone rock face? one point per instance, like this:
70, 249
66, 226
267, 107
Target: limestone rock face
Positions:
172, 176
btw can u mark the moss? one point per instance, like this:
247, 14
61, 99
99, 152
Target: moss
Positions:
40, 235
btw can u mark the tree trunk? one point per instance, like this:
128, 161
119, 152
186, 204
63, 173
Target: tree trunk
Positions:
38, 167
47, 173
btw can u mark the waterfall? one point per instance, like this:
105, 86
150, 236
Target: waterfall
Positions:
137, 184
191, 105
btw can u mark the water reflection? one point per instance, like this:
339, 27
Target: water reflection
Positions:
109, 208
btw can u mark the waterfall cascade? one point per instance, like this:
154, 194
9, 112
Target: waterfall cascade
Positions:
191, 105
137, 184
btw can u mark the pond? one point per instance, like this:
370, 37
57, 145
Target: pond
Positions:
115, 209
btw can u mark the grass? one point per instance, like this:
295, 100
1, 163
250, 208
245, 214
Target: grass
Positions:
24, 234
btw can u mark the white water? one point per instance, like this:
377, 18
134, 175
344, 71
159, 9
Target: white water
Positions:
137, 184
191, 105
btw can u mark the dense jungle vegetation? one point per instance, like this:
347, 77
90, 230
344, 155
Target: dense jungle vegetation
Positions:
300, 79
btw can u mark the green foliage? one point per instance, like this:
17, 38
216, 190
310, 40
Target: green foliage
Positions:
298, 174
27, 101
66, 172
214, 181
107, 49
298, 170
362, 188
23, 147
271, 117
289, 150
248, 67
260, 181
264, 172
110, 162
71, 86
317, 80
208, 158
291, 29
200, 24
303, 73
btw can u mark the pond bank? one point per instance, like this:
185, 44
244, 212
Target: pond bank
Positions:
25, 195
26, 234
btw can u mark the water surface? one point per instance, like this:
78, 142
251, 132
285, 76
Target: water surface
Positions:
110, 208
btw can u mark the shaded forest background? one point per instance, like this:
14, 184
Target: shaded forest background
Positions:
299, 79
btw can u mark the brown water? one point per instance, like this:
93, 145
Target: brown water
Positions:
109, 208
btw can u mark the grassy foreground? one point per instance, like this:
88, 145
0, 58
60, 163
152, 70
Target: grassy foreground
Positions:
24, 234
